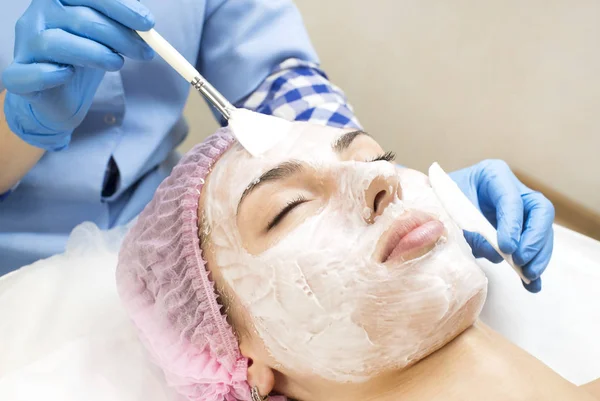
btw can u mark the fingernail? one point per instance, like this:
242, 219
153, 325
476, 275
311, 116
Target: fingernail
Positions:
534, 287
148, 53
150, 20
148, 16
115, 65
518, 259
530, 273
508, 245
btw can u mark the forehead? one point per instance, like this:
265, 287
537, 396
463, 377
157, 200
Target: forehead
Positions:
309, 143
305, 142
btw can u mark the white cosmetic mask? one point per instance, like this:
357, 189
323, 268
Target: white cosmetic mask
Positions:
318, 298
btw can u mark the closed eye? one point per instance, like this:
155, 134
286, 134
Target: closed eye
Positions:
387, 156
287, 209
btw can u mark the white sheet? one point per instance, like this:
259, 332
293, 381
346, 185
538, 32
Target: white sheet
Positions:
64, 336
561, 324
63, 333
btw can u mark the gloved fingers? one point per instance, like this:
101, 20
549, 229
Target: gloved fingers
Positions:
539, 217
541, 250
61, 47
91, 24
130, 13
536, 267
26, 79
504, 194
534, 287
481, 248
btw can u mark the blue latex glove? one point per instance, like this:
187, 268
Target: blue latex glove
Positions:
523, 217
62, 50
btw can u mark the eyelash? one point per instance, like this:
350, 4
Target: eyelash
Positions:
387, 156
288, 208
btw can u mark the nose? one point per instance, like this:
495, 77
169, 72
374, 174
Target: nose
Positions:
380, 194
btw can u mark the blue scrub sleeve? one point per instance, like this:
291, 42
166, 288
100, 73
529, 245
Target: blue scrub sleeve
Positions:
10, 12
10, 191
245, 40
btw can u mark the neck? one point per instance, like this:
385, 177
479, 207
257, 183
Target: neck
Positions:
459, 370
479, 364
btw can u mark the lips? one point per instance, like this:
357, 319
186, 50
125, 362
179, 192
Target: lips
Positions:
411, 236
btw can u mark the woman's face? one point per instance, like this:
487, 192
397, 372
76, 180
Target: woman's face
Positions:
346, 265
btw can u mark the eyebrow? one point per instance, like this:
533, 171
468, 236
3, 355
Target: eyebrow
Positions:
344, 141
292, 167
279, 172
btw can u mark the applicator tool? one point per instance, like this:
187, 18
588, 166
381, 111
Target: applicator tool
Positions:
256, 132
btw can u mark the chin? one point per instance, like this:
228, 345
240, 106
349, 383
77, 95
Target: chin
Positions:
464, 318
457, 324
468, 290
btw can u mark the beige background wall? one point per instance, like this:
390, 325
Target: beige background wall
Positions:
460, 81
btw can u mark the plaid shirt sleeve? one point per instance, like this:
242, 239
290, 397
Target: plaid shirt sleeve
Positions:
299, 91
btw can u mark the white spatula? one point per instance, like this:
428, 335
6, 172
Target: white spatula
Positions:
465, 214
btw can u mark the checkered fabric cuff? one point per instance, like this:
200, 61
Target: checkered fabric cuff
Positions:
299, 91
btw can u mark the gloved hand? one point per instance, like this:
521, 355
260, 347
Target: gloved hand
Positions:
62, 50
523, 217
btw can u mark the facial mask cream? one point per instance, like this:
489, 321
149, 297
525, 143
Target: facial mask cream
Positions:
318, 298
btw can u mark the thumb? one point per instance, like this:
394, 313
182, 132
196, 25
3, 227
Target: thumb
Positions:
28, 79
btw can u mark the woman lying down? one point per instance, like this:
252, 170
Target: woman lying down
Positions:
317, 272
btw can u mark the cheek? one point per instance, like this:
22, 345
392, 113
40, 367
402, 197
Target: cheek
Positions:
428, 302
319, 261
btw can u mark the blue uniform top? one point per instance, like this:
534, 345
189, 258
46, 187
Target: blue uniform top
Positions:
135, 121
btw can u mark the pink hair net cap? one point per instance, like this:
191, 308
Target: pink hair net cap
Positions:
165, 286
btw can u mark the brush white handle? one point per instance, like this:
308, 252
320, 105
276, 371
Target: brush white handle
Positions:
187, 71
169, 54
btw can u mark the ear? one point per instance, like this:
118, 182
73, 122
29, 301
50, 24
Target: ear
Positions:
260, 373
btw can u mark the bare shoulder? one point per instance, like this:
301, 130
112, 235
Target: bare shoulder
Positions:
593, 388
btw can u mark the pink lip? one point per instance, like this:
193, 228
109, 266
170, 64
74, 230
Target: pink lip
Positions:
412, 236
